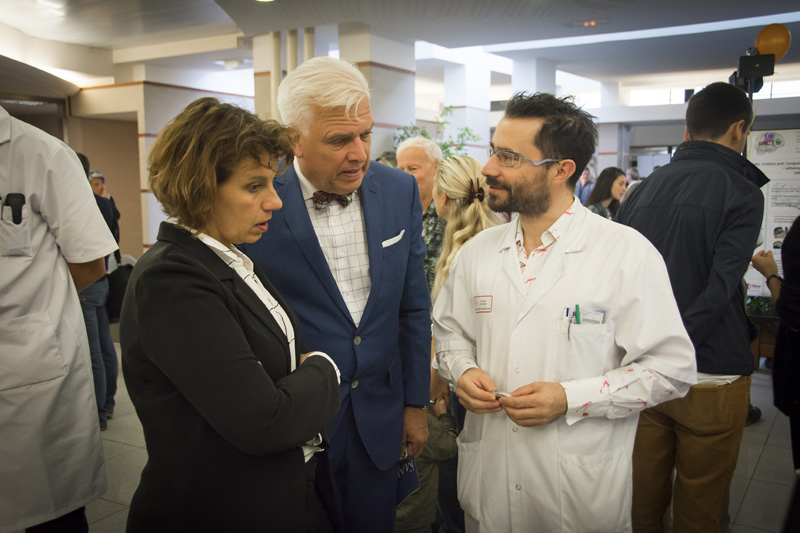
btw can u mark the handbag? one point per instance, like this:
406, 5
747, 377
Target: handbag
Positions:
117, 283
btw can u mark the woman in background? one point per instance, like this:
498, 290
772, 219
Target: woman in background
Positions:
232, 412
459, 193
607, 193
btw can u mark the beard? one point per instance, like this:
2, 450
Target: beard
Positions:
531, 198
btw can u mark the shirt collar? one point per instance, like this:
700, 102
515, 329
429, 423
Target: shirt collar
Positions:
5, 126
306, 186
559, 228
307, 189
431, 211
232, 256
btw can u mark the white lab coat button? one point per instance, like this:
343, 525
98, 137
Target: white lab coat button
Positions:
515, 429
519, 487
516, 370
354, 384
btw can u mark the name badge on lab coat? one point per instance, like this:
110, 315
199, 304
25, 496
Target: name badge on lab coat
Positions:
483, 304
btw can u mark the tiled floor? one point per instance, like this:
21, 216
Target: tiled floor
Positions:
760, 490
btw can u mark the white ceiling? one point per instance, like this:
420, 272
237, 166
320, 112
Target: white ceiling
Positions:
121, 24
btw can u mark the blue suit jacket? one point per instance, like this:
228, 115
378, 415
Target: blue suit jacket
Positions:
384, 361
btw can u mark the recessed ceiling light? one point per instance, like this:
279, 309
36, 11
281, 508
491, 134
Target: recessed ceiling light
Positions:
265, 0
589, 23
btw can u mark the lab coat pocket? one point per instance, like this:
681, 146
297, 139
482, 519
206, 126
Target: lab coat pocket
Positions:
470, 477
15, 239
596, 491
30, 351
589, 347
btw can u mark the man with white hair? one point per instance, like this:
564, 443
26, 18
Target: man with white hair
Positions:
420, 157
346, 251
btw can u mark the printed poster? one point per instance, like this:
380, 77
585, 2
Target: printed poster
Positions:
777, 154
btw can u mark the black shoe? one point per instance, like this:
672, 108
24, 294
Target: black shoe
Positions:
753, 414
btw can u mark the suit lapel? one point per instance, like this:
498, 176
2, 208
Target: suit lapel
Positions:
374, 211
254, 304
298, 222
211, 261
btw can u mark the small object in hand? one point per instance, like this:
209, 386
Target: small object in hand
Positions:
500, 394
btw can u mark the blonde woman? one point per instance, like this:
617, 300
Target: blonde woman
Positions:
459, 193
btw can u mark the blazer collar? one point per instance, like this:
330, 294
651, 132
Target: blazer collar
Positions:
299, 224
210, 260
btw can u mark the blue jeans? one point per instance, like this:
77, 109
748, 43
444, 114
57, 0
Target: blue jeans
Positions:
104, 357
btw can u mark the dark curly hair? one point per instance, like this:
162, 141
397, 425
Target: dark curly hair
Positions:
568, 132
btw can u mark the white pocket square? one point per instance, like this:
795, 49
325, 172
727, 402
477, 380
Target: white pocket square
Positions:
393, 240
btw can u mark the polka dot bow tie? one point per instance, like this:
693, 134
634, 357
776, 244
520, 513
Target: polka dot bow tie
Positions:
322, 199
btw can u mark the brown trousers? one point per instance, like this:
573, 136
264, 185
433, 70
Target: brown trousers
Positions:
699, 436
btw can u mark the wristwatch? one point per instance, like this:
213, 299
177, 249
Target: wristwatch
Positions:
780, 279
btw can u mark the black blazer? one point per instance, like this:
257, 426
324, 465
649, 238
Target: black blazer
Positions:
207, 368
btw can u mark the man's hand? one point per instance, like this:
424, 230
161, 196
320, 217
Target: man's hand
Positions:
473, 390
536, 404
441, 404
415, 431
438, 386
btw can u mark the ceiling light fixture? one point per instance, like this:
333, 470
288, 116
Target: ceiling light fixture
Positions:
589, 23
235, 63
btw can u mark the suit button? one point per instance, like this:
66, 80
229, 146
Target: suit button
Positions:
354, 384
357, 341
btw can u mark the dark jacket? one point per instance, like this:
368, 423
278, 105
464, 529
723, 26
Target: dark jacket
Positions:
207, 368
786, 369
703, 212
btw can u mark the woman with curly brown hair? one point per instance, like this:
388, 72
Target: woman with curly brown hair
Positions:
232, 408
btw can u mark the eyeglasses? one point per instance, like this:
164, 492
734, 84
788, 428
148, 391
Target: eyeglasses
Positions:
510, 159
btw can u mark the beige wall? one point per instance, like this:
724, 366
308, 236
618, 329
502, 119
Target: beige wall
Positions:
112, 147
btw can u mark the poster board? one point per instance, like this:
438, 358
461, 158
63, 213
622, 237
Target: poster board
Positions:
777, 154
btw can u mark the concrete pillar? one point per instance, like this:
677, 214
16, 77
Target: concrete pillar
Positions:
308, 43
291, 50
466, 89
613, 146
267, 73
533, 75
389, 67
611, 94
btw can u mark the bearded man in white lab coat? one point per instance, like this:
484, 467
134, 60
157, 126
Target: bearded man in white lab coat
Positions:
557, 329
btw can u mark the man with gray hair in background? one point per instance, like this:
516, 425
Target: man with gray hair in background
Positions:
420, 157
346, 251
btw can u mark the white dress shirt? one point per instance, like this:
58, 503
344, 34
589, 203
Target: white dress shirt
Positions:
343, 239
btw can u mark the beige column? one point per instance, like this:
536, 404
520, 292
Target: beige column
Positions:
309, 42
291, 50
613, 146
389, 67
267, 73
